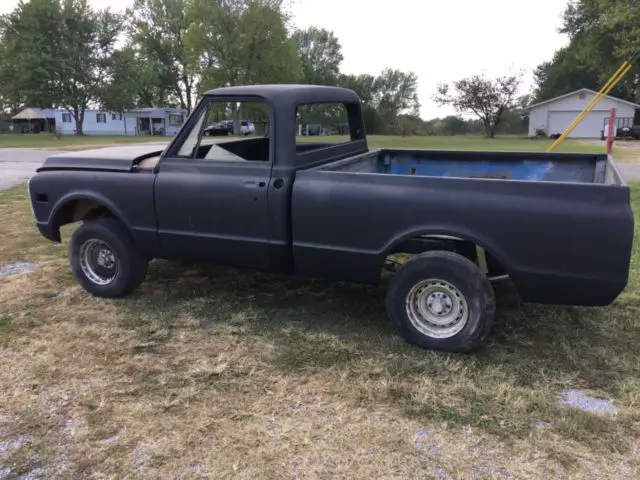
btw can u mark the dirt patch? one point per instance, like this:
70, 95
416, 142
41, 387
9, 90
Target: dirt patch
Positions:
577, 399
17, 268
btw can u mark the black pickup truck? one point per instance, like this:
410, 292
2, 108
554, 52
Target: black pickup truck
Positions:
559, 226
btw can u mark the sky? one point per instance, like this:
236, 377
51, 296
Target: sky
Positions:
439, 40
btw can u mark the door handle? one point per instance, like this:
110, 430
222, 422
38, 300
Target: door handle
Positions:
252, 183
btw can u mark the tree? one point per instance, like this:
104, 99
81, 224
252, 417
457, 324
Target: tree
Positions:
622, 19
602, 33
487, 99
395, 93
158, 32
87, 43
384, 97
30, 51
58, 53
320, 55
565, 73
242, 42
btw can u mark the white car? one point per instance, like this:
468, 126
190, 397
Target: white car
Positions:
247, 128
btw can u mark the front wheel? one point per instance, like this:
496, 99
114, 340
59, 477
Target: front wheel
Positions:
105, 260
441, 300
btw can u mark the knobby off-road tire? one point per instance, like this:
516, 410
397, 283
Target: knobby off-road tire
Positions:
105, 259
441, 300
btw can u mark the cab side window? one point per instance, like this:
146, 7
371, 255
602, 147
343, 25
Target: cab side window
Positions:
230, 131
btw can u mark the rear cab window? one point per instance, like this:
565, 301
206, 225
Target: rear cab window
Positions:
327, 131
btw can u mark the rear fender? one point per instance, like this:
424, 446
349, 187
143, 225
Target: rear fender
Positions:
452, 233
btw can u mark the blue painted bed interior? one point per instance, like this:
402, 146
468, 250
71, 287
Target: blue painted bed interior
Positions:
513, 169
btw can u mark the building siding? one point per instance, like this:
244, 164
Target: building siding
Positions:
90, 125
122, 124
593, 123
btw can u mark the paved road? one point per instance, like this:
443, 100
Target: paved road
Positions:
18, 164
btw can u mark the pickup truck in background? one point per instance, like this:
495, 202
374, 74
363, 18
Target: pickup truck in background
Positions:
559, 226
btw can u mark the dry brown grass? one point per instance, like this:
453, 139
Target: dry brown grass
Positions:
627, 151
217, 373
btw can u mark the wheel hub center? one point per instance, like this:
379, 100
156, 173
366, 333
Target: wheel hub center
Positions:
439, 303
106, 258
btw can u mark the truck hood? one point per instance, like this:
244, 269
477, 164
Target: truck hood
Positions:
115, 159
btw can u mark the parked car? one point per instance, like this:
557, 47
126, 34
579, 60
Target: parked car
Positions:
624, 133
247, 128
222, 128
558, 225
225, 127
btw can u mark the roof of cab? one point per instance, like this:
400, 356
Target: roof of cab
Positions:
296, 93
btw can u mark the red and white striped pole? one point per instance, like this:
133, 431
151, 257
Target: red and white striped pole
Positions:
611, 134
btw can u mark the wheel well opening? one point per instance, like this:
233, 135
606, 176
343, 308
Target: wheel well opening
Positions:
77, 210
471, 250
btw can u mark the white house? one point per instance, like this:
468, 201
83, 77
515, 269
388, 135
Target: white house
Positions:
555, 115
142, 121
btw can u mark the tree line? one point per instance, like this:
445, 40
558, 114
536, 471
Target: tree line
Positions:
165, 53
63, 53
602, 33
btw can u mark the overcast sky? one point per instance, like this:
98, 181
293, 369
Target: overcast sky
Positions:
439, 40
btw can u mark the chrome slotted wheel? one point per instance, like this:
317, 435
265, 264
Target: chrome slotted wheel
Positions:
437, 309
98, 261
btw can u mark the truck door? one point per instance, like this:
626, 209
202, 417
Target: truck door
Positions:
211, 194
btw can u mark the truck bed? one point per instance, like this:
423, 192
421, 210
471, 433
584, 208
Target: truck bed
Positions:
535, 167
560, 224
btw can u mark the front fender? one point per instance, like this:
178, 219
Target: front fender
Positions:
90, 196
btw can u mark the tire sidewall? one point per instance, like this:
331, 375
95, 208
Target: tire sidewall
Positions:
126, 268
462, 274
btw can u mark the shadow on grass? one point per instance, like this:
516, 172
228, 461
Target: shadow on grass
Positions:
314, 326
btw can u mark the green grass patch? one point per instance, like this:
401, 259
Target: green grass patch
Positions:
49, 140
458, 142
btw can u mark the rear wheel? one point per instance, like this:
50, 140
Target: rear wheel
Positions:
441, 300
105, 260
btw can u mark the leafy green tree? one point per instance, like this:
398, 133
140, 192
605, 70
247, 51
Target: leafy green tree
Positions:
395, 93
622, 19
168, 67
57, 53
602, 33
384, 97
87, 43
320, 54
487, 99
30, 53
242, 42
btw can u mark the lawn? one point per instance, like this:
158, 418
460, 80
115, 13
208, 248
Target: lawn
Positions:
212, 372
375, 141
49, 140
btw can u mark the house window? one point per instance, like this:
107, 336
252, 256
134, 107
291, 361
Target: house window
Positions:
101, 118
116, 116
176, 119
66, 118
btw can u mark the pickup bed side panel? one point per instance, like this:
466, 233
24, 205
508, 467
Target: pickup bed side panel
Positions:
561, 243
129, 196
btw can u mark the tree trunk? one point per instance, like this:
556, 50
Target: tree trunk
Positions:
78, 115
488, 132
235, 111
